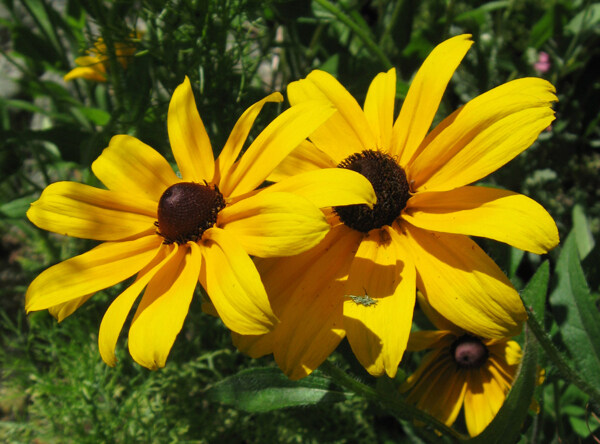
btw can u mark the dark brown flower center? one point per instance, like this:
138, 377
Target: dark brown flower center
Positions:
390, 185
469, 352
186, 210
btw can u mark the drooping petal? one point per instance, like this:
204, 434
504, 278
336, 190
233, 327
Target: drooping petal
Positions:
424, 96
328, 187
440, 322
254, 346
62, 311
239, 134
383, 270
102, 267
163, 308
272, 145
305, 157
347, 131
464, 285
86, 72
488, 212
274, 224
115, 316
311, 314
423, 339
79, 210
130, 166
483, 399
234, 285
187, 135
483, 135
379, 108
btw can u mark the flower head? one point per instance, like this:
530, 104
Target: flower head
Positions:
94, 65
461, 370
173, 231
360, 282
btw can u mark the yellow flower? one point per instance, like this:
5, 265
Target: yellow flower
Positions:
360, 282
174, 231
94, 65
461, 370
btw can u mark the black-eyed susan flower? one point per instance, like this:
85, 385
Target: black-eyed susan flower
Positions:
94, 64
462, 371
173, 231
360, 282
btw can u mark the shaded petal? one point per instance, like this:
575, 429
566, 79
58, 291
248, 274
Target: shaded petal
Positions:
378, 333
272, 145
254, 346
274, 224
464, 285
328, 187
440, 322
234, 285
163, 308
102, 267
483, 399
189, 140
483, 135
379, 108
424, 96
62, 311
115, 316
239, 134
423, 339
88, 73
425, 372
130, 166
312, 322
488, 212
305, 157
78, 210
348, 130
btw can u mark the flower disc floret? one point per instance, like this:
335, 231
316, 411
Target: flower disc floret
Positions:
469, 352
390, 185
186, 210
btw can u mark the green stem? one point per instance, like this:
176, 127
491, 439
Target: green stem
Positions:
559, 360
392, 403
367, 40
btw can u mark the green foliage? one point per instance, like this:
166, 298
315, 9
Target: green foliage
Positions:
53, 385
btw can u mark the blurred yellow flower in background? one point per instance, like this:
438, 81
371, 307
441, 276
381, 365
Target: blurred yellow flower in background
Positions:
175, 231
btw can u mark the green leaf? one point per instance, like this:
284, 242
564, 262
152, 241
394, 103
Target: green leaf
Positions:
17, 208
576, 314
265, 389
95, 115
586, 20
534, 295
506, 426
583, 233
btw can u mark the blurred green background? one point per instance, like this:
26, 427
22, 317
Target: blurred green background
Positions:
54, 386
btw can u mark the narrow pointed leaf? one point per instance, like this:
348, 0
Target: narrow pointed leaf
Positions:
265, 389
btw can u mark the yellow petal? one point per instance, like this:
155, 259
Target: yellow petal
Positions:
440, 322
423, 339
328, 187
378, 333
102, 267
234, 285
85, 73
347, 131
483, 135
274, 224
239, 134
424, 96
305, 157
272, 145
311, 324
130, 166
379, 108
163, 308
62, 311
92, 61
496, 214
421, 378
78, 210
464, 285
483, 399
254, 346
115, 316
189, 140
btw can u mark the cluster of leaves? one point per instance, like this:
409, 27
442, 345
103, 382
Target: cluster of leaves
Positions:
53, 385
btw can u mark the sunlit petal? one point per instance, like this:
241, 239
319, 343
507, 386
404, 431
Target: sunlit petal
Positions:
61, 311
189, 140
379, 108
305, 157
493, 213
